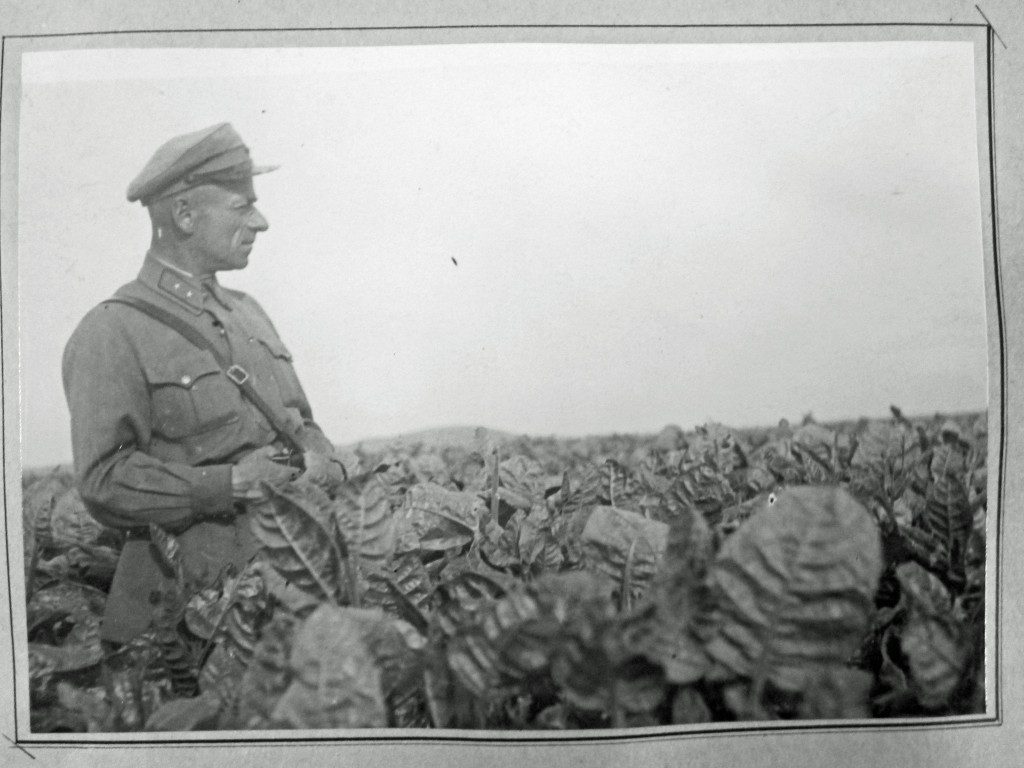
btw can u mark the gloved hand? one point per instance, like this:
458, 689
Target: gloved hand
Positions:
248, 475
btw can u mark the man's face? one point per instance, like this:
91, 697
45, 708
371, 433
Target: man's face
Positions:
226, 223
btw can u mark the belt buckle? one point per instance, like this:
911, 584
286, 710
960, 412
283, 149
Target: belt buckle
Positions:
237, 374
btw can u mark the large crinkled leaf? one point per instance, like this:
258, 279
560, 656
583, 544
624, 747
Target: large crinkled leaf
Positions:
397, 651
205, 611
794, 588
63, 599
405, 575
815, 436
836, 693
476, 635
947, 514
689, 707
30, 548
608, 684
528, 541
462, 581
521, 482
580, 489
680, 598
233, 622
90, 704
362, 514
702, 485
71, 523
133, 697
671, 438
562, 628
290, 597
751, 481
537, 545
933, 640
334, 670
499, 545
600, 659
222, 673
80, 649
296, 529
882, 440
232, 613
716, 445
623, 545
336, 682
777, 458
484, 631
618, 485
469, 472
733, 517
892, 686
39, 498
267, 677
436, 519
169, 550
199, 713
824, 453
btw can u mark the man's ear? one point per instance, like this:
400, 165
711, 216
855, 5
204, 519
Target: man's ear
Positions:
184, 214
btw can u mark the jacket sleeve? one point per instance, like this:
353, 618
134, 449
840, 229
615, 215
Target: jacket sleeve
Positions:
111, 425
310, 434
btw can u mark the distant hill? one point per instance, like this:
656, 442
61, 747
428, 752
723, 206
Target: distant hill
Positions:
440, 437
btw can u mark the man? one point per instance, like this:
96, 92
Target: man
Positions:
162, 431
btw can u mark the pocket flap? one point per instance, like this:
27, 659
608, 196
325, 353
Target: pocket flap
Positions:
181, 371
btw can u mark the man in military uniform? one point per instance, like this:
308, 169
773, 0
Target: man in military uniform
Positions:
162, 431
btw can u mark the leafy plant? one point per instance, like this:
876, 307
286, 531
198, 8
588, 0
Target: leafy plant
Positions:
820, 571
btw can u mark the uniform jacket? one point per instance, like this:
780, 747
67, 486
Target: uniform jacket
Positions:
156, 427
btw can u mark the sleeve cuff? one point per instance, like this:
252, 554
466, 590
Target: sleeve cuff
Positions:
211, 490
313, 439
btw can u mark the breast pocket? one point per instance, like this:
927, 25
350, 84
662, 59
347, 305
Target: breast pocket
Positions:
190, 395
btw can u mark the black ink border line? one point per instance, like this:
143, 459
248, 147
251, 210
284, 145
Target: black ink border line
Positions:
589, 736
6, 448
1003, 375
424, 27
455, 737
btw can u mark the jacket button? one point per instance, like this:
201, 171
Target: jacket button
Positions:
186, 380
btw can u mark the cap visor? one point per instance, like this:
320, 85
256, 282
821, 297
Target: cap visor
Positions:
258, 169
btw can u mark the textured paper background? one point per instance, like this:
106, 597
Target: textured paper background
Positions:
938, 745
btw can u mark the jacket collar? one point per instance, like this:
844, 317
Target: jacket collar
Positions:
182, 288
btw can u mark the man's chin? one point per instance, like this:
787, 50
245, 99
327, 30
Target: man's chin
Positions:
241, 261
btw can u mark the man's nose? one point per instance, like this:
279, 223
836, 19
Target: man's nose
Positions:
258, 221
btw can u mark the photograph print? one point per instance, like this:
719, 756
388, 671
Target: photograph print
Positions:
517, 387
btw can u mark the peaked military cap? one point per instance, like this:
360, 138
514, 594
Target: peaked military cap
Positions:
214, 155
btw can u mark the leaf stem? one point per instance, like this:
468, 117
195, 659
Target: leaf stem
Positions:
495, 501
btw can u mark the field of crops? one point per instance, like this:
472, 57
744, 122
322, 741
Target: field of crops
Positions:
804, 571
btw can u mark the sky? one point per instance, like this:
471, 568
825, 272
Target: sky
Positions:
548, 239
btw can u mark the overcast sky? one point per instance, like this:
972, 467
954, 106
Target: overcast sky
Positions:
644, 234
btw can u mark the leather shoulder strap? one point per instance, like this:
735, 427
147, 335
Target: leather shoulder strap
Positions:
236, 373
